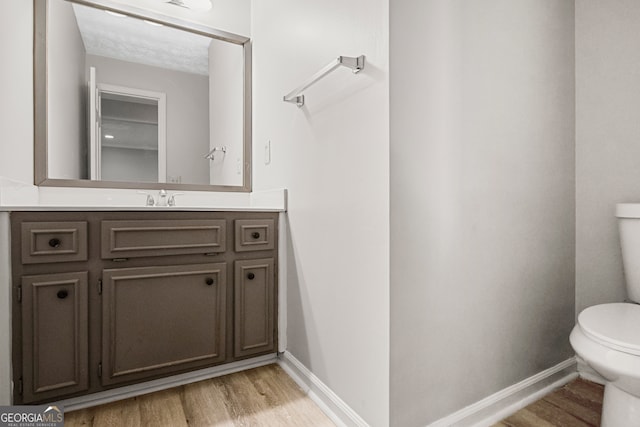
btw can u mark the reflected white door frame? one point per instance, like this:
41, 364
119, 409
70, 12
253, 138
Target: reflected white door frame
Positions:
96, 92
94, 155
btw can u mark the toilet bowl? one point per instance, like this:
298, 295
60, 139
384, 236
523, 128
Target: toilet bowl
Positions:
607, 336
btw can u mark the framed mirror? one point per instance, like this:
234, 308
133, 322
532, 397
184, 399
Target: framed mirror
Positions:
126, 98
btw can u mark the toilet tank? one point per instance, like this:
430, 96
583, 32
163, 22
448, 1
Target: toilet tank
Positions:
629, 227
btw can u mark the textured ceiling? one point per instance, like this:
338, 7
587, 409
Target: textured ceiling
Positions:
134, 40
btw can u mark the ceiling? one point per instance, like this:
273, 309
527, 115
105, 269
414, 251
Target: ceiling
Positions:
134, 40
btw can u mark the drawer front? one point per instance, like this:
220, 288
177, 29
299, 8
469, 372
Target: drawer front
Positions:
44, 242
159, 320
254, 234
131, 239
54, 335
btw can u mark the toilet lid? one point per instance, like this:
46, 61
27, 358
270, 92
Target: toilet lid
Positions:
616, 326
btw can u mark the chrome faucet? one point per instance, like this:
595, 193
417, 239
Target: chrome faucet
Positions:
164, 198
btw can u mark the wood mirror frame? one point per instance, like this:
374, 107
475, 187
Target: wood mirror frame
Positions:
41, 169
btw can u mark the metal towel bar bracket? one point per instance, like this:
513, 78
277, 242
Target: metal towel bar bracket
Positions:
210, 155
355, 63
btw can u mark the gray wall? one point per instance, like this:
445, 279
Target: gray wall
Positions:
16, 86
607, 141
482, 199
66, 98
226, 112
187, 111
121, 164
333, 157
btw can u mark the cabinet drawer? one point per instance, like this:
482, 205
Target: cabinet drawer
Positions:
54, 335
254, 234
130, 239
160, 320
44, 242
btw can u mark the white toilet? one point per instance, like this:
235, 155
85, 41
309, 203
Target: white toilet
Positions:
607, 336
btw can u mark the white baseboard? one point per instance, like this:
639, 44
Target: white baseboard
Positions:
126, 392
500, 405
483, 413
329, 402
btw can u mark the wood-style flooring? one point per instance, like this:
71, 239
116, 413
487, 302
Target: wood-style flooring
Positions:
267, 396
264, 396
577, 404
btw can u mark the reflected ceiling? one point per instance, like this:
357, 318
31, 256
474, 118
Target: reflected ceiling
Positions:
128, 39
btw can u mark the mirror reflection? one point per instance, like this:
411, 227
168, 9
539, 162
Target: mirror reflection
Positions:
131, 100
130, 140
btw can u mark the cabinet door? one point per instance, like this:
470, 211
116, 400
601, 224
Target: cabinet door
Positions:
254, 307
160, 320
54, 335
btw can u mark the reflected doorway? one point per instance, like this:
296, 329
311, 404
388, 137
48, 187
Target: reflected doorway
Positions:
128, 139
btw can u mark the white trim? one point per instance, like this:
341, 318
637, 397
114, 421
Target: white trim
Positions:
328, 401
94, 144
161, 98
500, 405
126, 392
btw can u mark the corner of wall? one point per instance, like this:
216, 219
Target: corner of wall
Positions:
6, 383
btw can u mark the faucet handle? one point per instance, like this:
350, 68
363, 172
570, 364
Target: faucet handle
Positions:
172, 200
150, 201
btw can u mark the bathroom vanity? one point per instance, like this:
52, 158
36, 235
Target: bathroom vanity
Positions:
103, 299
104, 292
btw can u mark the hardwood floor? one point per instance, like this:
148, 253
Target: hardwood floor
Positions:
577, 404
264, 396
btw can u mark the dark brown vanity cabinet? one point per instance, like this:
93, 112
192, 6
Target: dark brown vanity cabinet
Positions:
104, 299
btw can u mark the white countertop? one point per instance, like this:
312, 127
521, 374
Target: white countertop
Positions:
25, 197
53, 208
